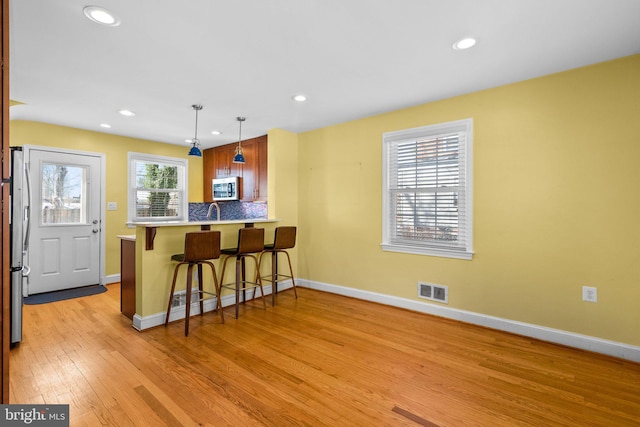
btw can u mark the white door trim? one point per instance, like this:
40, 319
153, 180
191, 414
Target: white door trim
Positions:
103, 191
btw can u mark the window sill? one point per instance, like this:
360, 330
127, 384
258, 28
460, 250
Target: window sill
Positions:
417, 250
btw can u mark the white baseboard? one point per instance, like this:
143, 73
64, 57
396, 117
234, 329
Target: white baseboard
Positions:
570, 339
112, 278
142, 323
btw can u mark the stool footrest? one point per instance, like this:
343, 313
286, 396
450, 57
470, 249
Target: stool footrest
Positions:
277, 279
233, 285
196, 293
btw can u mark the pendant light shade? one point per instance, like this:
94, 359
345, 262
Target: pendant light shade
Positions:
195, 151
239, 157
195, 142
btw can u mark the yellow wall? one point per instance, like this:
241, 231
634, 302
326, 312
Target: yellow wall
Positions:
115, 149
283, 175
556, 170
555, 203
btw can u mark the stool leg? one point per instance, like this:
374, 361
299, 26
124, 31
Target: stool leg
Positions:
274, 277
293, 281
201, 288
259, 282
221, 283
216, 284
238, 276
244, 279
188, 305
173, 288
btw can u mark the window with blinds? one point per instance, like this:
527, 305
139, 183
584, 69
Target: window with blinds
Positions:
427, 190
157, 188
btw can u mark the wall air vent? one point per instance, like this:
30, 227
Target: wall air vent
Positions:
438, 293
179, 298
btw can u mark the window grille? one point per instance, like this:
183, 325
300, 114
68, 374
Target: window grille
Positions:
157, 188
427, 190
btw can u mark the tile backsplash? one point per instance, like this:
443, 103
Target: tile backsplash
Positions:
229, 210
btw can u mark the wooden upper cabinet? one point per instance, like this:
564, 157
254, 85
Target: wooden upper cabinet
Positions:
261, 174
208, 173
248, 170
218, 163
224, 166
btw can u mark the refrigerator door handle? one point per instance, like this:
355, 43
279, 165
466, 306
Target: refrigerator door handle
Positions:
27, 208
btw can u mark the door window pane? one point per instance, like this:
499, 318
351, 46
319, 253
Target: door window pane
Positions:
63, 198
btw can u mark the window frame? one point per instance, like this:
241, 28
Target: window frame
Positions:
182, 187
390, 242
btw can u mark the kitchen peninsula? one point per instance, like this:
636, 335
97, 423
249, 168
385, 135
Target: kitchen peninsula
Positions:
155, 243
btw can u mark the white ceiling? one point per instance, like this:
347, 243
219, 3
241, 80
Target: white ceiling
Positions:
352, 58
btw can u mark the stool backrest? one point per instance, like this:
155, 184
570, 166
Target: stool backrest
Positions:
250, 240
285, 237
201, 245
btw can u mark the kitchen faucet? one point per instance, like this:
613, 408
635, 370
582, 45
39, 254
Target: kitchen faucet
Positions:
211, 208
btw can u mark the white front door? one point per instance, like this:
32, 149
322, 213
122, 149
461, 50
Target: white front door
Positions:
65, 206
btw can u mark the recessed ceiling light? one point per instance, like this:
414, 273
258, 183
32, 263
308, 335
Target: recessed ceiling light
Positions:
127, 113
216, 132
299, 98
105, 125
101, 16
465, 43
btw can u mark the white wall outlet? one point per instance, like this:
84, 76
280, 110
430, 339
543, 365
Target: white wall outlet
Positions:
112, 206
589, 294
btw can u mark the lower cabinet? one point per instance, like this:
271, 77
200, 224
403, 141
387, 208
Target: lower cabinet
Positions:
128, 277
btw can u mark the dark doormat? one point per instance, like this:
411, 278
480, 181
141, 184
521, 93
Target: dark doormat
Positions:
64, 294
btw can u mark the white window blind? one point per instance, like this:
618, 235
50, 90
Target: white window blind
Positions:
427, 194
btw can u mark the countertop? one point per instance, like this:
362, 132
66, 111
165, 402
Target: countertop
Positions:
127, 237
151, 227
196, 223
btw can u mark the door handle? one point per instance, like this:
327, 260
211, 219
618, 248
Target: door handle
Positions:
95, 230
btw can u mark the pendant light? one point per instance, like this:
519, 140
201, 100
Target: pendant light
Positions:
239, 157
195, 147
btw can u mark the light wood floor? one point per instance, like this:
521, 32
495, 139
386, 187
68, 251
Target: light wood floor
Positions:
319, 360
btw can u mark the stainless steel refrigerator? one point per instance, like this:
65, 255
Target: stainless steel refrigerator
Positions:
19, 238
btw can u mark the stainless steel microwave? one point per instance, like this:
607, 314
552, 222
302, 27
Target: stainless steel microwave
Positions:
225, 188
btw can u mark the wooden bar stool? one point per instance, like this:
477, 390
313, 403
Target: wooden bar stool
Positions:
284, 238
250, 241
199, 247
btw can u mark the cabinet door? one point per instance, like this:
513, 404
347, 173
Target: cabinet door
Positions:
221, 161
235, 169
128, 277
261, 170
208, 173
248, 170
